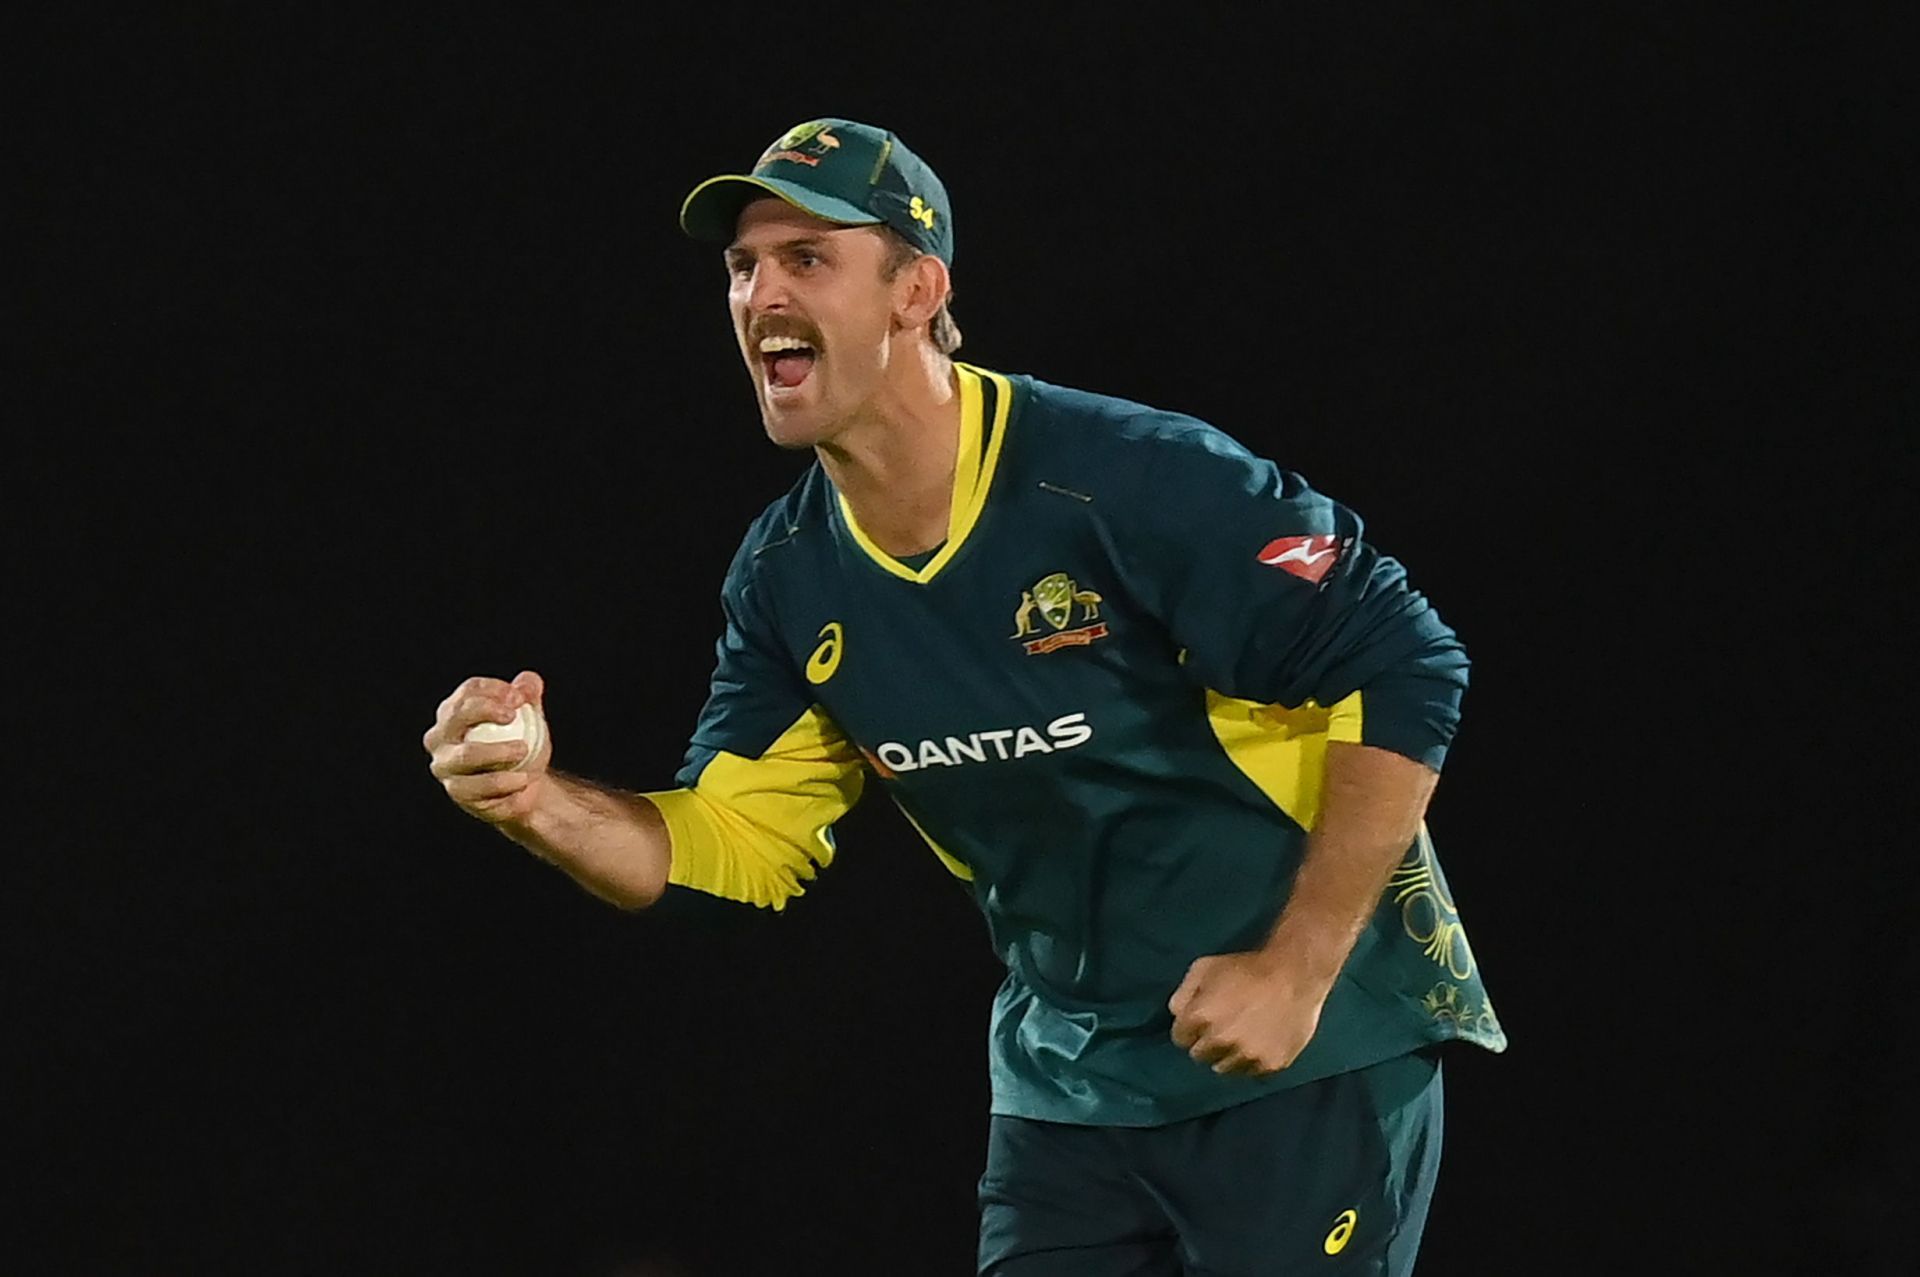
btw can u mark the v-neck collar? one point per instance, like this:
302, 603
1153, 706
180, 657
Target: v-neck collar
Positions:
986, 399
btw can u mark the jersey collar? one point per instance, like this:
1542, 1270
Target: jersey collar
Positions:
986, 399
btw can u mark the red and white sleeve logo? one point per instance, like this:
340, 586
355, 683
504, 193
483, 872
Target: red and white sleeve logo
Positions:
1308, 558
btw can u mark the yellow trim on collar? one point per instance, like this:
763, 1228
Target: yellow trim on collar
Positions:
972, 475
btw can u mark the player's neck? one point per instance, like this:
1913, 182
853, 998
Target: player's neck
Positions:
894, 464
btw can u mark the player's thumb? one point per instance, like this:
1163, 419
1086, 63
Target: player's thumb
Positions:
533, 687
1190, 986
1182, 995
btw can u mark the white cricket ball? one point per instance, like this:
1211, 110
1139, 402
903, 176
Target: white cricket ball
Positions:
528, 725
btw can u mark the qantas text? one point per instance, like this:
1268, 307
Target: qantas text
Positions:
1066, 732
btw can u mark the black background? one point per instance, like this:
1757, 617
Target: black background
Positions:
359, 355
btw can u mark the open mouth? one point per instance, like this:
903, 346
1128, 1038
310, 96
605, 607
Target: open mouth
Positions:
788, 361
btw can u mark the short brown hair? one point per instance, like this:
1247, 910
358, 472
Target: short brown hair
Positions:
941, 330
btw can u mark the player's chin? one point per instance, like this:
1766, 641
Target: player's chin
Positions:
792, 425
786, 434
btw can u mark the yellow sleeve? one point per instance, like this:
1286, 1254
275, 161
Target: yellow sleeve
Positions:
755, 829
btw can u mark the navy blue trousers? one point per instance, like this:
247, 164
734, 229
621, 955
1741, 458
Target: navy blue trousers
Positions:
1333, 1177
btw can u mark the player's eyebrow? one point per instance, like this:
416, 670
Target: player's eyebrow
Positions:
738, 253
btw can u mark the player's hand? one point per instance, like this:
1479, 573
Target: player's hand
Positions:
475, 775
1246, 1013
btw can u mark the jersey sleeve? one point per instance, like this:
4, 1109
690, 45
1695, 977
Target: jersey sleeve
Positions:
1276, 597
767, 772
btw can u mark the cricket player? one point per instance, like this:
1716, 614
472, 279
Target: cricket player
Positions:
1157, 701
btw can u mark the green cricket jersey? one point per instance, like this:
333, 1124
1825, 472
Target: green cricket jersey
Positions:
1104, 702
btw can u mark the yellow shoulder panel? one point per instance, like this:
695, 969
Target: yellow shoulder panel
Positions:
1284, 751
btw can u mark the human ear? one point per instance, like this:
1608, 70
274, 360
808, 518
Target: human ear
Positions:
921, 290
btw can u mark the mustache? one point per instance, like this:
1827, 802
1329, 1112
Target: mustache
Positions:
782, 326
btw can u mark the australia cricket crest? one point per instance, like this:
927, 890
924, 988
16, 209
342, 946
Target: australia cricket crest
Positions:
1054, 598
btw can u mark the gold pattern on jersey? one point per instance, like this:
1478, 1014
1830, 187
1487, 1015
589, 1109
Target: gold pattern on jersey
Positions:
1427, 911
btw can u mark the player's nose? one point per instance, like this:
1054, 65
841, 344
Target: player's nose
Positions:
768, 289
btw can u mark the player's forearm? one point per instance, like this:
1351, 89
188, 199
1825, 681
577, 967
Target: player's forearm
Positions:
1370, 810
611, 842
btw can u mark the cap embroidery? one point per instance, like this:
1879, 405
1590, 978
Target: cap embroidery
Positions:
816, 136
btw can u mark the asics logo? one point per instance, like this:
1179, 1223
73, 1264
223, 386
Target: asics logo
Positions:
1342, 1232
826, 657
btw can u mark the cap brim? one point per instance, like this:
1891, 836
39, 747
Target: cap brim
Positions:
712, 209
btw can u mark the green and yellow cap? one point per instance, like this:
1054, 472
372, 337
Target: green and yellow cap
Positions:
839, 171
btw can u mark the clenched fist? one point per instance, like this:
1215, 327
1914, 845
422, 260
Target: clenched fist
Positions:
1248, 1013
475, 775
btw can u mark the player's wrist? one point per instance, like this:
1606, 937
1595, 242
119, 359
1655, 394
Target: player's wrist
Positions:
547, 820
1308, 951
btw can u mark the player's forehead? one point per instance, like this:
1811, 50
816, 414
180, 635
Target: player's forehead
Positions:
770, 223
